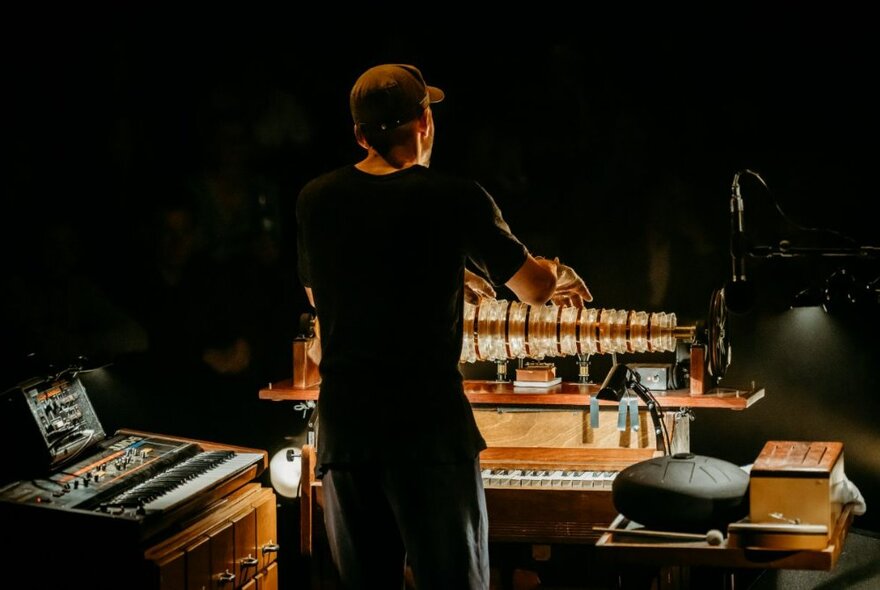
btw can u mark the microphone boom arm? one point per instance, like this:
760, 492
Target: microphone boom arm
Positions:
655, 410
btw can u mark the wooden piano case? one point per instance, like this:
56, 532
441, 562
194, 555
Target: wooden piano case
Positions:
547, 515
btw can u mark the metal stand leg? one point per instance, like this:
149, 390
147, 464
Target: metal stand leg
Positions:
679, 424
501, 371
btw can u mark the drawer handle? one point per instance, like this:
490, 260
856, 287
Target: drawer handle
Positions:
270, 547
226, 577
249, 561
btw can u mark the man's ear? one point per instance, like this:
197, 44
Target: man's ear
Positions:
425, 120
359, 136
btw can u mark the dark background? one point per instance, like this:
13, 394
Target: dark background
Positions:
148, 200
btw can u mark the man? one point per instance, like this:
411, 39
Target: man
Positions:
382, 250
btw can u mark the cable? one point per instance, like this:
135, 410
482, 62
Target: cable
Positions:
38, 483
782, 213
90, 435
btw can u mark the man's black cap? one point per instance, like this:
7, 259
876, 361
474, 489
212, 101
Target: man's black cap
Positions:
389, 95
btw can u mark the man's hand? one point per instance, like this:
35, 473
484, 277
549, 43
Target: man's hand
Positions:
476, 288
570, 288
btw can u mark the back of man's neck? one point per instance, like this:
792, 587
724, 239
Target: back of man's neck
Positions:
374, 163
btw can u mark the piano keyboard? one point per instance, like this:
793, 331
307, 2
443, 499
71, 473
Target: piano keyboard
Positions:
547, 478
183, 481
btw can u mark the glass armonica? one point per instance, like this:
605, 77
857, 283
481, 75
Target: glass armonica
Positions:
497, 329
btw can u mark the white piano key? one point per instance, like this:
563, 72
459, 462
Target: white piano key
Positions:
497, 476
515, 479
544, 478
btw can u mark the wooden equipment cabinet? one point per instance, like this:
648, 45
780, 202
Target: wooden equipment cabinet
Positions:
231, 547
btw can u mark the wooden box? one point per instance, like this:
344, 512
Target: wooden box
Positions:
536, 372
792, 482
306, 358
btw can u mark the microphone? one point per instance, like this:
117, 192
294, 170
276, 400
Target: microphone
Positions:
739, 293
616, 383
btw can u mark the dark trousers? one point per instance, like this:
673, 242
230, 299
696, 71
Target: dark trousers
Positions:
379, 518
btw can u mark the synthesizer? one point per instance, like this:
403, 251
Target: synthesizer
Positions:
66, 473
146, 480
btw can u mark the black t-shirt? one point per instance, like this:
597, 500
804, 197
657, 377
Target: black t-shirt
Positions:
385, 257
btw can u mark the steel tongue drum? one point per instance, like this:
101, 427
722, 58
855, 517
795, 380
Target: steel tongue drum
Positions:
682, 492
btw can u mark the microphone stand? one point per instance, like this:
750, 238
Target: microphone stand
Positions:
779, 251
654, 409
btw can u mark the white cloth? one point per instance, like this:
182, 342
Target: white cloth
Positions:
846, 492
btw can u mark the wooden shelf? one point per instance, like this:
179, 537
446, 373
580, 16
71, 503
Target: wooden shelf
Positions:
285, 391
631, 550
566, 394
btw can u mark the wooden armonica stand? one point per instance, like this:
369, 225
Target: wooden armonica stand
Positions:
559, 416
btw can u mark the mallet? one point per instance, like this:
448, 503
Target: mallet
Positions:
713, 537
